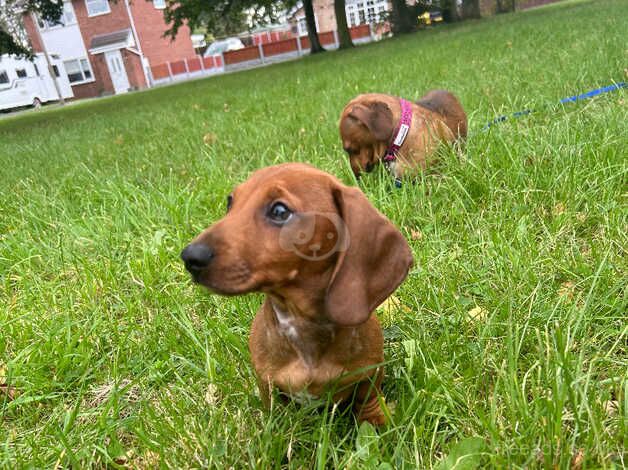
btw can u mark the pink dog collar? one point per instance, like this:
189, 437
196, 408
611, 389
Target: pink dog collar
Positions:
401, 132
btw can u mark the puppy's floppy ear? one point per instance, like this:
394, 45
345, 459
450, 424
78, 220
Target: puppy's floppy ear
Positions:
376, 262
377, 117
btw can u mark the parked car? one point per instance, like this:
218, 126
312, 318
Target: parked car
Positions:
28, 83
223, 45
430, 18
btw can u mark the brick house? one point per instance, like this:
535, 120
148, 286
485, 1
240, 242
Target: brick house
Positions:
108, 46
358, 12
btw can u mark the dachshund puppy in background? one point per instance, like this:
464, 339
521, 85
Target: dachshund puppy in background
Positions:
325, 258
382, 128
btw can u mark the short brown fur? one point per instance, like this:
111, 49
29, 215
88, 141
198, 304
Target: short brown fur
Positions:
315, 331
368, 121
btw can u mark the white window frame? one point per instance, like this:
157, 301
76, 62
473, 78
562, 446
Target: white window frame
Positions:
159, 4
366, 11
352, 15
302, 27
89, 14
89, 66
68, 18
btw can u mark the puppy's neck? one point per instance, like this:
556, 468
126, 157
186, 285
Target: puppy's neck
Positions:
309, 337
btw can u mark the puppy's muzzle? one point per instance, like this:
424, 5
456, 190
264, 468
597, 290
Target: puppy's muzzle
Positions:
197, 257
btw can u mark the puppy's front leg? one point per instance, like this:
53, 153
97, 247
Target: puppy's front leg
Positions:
366, 405
265, 391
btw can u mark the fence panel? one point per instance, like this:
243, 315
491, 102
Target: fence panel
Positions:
159, 71
241, 55
327, 38
280, 47
361, 31
305, 42
194, 65
178, 67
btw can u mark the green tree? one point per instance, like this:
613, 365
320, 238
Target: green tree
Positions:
450, 10
219, 18
403, 17
505, 6
471, 9
13, 39
312, 34
344, 36
227, 17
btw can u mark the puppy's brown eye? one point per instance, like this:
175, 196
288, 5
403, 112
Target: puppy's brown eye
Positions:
279, 213
229, 202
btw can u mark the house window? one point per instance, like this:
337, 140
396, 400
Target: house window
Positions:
97, 7
302, 26
67, 18
36, 69
4, 78
370, 10
353, 19
21, 73
366, 11
159, 4
78, 70
55, 69
351, 15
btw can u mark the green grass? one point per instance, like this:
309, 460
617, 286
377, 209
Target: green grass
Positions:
509, 342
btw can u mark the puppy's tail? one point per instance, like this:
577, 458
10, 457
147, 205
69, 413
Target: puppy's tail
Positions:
447, 105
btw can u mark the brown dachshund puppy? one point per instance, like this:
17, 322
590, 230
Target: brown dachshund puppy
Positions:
325, 258
377, 127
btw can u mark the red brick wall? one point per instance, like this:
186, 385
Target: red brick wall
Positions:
101, 24
101, 85
116, 20
133, 65
31, 30
150, 27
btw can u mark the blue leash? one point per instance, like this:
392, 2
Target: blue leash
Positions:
570, 99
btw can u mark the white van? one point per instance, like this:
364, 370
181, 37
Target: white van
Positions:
28, 83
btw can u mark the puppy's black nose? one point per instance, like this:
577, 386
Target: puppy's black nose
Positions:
369, 167
196, 257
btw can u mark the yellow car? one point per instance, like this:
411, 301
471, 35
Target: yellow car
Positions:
428, 18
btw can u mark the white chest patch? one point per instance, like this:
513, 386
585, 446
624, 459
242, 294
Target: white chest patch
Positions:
290, 328
286, 324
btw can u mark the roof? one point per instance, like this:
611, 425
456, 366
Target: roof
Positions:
111, 41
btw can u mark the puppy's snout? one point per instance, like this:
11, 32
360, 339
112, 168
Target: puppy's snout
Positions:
196, 257
369, 167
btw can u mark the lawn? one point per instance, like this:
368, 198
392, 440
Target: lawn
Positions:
507, 343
